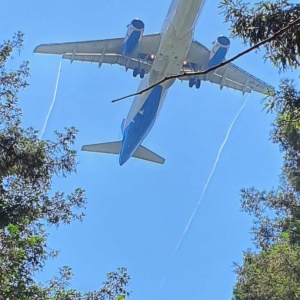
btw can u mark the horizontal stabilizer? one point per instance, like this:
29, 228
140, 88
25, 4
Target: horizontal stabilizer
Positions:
146, 154
115, 148
112, 147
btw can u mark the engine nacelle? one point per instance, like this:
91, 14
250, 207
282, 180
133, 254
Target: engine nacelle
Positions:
133, 36
218, 52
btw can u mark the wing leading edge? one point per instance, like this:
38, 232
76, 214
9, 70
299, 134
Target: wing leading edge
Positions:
106, 51
110, 52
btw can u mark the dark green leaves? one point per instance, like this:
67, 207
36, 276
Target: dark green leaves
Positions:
28, 203
273, 271
255, 23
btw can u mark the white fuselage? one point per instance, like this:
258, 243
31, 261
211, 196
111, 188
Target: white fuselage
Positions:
176, 38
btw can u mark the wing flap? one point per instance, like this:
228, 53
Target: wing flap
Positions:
110, 46
110, 59
237, 77
95, 58
230, 76
110, 50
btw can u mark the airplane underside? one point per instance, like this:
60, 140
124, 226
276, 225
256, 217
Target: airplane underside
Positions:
154, 57
140, 126
135, 133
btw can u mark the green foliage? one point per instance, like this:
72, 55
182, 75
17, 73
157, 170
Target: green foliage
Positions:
274, 212
255, 22
286, 129
273, 272
28, 203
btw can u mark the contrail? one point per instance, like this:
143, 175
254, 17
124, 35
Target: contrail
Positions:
162, 283
209, 177
53, 101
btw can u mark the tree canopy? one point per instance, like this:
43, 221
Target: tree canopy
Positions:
28, 203
272, 271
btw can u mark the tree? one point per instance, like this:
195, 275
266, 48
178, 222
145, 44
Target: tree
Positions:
271, 275
27, 202
273, 270
255, 23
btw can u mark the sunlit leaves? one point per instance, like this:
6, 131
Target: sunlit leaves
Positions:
28, 202
273, 271
273, 274
255, 23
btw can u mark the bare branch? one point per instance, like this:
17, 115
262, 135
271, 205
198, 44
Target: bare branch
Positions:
268, 40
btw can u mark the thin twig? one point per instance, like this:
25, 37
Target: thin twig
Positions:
289, 121
273, 37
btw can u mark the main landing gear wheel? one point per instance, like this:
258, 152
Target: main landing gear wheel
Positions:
142, 73
191, 82
194, 82
138, 71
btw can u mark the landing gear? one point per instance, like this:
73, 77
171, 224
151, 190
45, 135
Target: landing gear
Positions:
194, 82
191, 82
138, 71
198, 84
193, 79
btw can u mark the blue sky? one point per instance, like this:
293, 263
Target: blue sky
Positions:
136, 213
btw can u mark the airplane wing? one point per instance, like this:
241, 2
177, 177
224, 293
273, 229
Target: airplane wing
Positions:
230, 76
106, 51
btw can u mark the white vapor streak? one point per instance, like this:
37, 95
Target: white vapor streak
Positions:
53, 101
209, 177
162, 283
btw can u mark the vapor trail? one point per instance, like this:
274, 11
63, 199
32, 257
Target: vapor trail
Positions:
53, 101
209, 177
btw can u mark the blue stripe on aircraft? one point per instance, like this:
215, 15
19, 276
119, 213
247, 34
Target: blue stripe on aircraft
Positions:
142, 123
131, 43
218, 57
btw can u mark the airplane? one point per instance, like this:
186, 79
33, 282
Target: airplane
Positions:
154, 57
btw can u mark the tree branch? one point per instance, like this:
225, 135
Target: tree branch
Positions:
268, 40
289, 121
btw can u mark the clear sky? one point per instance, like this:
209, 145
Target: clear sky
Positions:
136, 214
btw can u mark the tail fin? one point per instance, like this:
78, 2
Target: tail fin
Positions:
146, 154
111, 148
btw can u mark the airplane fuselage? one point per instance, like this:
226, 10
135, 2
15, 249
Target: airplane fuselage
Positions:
153, 58
176, 38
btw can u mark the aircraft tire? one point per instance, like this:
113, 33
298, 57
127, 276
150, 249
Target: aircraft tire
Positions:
191, 82
136, 72
142, 73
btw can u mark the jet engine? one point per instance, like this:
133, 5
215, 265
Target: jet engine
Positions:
218, 52
133, 36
